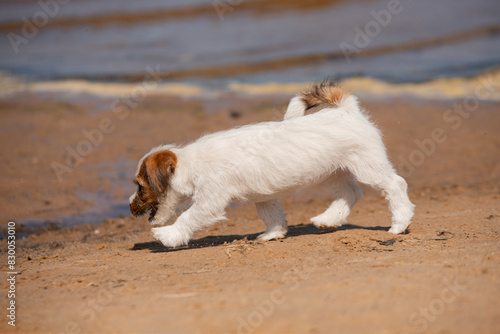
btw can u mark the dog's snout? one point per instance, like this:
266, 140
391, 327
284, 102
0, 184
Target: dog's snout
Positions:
136, 208
133, 209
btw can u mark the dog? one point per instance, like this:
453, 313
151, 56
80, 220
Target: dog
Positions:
325, 137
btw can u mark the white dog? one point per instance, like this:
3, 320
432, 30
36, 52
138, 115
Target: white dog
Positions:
337, 144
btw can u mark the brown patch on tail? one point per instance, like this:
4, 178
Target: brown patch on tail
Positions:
325, 92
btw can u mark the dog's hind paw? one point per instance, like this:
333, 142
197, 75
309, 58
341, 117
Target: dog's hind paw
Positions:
324, 222
398, 229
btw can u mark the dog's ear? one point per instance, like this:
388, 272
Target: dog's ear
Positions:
160, 166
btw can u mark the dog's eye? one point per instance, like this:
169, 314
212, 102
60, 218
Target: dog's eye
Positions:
139, 191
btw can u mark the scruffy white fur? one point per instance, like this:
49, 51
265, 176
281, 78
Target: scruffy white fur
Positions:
336, 145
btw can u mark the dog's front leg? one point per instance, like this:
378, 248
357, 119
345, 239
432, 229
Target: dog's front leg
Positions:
166, 209
189, 222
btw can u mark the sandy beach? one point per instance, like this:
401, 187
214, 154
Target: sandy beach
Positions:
88, 87
112, 277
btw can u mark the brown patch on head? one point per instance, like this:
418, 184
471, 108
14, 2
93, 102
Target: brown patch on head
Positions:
159, 166
325, 92
152, 179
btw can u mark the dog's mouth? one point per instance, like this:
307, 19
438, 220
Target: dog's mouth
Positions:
152, 214
141, 210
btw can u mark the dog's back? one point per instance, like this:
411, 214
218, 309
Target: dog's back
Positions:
278, 157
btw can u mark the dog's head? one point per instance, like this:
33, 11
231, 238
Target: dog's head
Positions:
152, 179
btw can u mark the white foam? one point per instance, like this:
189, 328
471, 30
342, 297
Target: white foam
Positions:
484, 86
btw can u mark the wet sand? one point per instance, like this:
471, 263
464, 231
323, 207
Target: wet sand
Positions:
111, 277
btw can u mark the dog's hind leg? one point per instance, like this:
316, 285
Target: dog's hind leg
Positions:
399, 204
375, 169
347, 193
274, 218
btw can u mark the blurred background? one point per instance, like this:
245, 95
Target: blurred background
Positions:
215, 42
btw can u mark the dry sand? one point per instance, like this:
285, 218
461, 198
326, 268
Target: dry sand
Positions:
441, 277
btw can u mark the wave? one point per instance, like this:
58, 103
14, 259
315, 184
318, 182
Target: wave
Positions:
442, 88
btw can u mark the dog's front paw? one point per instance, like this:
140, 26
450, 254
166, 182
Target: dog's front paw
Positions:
170, 236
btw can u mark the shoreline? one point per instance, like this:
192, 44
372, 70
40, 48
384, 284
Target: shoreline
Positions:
366, 87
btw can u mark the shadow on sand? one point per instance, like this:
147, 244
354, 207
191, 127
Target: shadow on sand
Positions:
212, 240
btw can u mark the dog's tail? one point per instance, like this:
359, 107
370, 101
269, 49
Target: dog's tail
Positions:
326, 92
